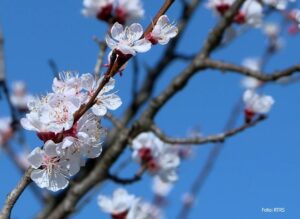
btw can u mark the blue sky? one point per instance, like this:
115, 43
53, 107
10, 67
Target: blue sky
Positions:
257, 169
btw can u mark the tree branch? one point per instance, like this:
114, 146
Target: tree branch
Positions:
209, 139
15, 194
224, 67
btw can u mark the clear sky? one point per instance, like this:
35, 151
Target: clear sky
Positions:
257, 169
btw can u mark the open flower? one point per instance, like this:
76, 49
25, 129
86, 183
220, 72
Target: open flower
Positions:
159, 158
104, 100
101, 9
128, 41
118, 205
163, 31
256, 104
52, 113
51, 171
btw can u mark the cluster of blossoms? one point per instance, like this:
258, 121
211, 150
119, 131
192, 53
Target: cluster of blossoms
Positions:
67, 143
129, 40
157, 157
122, 11
125, 206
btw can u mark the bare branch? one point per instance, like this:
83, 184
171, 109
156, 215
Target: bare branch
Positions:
209, 139
224, 67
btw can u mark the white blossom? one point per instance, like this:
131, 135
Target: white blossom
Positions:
163, 31
256, 103
51, 171
119, 204
104, 99
160, 159
19, 97
128, 41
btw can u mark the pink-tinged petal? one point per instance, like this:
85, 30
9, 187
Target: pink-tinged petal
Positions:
142, 45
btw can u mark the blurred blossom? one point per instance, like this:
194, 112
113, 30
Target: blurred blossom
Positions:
128, 11
159, 158
6, 131
122, 11
118, 205
251, 12
256, 104
19, 96
125, 206
101, 9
